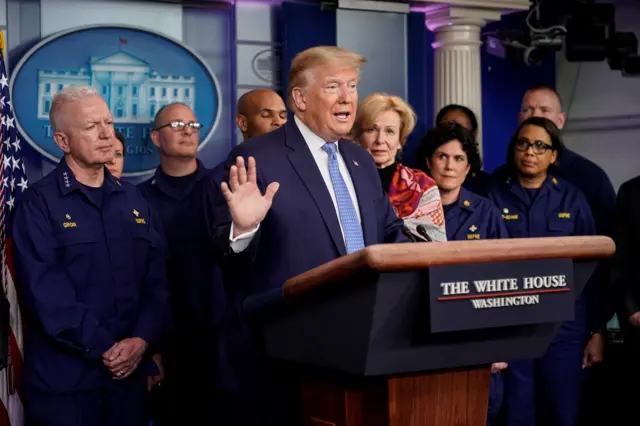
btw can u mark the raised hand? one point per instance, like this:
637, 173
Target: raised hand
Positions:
247, 205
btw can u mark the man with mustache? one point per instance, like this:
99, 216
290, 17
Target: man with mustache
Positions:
176, 193
90, 272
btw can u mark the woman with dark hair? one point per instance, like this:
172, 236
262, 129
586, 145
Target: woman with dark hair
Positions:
449, 153
477, 181
116, 165
535, 203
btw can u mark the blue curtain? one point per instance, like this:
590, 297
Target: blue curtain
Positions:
503, 84
301, 26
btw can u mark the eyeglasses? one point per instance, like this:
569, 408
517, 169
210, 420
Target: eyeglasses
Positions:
179, 126
539, 147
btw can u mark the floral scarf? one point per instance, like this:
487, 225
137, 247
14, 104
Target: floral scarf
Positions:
416, 199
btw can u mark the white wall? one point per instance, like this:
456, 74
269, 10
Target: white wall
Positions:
604, 107
3, 13
258, 53
64, 14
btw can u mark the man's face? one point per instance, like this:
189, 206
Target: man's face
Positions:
265, 113
173, 136
542, 103
328, 104
87, 133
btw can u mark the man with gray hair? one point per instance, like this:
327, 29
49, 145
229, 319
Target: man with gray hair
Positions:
91, 272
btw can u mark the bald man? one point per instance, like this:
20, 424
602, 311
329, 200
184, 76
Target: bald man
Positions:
260, 111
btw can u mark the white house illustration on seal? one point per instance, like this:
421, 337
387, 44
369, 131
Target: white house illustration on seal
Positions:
132, 90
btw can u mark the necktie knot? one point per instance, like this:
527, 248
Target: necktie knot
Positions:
330, 148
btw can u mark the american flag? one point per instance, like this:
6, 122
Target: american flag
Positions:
13, 181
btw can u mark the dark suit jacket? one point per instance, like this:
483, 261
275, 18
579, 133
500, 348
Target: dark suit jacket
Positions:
302, 230
627, 268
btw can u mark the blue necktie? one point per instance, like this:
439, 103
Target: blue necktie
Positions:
348, 216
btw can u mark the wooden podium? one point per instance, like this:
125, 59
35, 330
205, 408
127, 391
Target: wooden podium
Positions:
404, 334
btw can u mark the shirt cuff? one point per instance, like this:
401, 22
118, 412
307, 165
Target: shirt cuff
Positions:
242, 241
99, 343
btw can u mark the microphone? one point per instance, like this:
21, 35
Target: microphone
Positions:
423, 232
409, 235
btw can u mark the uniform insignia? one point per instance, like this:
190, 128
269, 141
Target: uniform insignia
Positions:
68, 223
505, 211
554, 180
66, 179
466, 203
473, 228
136, 213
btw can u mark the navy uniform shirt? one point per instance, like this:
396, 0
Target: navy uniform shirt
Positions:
478, 182
195, 282
557, 209
592, 181
473, 217
90, 273
596, 186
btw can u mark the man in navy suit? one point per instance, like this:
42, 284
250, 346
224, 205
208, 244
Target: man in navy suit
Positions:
306, 197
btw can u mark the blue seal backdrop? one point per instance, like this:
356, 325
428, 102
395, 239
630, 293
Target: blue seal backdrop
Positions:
136, 72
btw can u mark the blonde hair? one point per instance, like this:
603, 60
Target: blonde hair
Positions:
305, 61
66, 96
374, 105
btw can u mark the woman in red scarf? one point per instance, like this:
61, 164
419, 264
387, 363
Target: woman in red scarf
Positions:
382, 126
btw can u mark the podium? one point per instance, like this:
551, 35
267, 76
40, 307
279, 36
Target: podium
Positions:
405, 334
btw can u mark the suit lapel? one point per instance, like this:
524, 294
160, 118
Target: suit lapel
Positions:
365, 200
303, 162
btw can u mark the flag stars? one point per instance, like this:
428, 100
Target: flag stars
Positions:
15, 164
4, 82
16, 144
23, 184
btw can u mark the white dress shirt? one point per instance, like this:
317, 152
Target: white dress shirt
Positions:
315, 144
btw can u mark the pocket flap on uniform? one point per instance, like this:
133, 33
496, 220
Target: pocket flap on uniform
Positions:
140, 233
74, 236
561, 225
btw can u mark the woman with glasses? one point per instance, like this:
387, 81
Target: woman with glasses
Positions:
535, 203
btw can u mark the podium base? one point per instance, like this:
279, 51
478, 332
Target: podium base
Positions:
441, 398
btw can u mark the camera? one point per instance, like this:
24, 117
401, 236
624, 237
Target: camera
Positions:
586, 29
